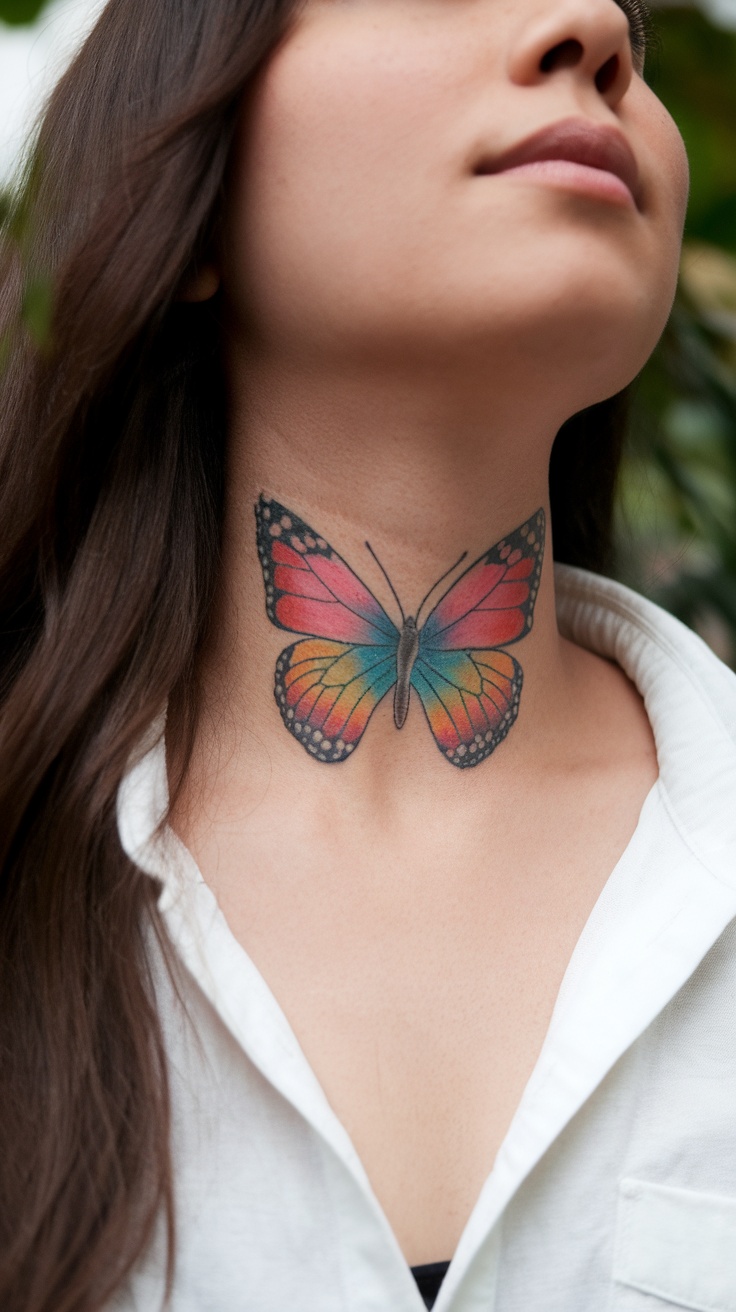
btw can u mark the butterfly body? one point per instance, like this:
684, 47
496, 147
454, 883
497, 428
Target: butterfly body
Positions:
329, 683
406, 655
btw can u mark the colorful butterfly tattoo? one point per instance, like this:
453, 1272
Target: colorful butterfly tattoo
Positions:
330, 682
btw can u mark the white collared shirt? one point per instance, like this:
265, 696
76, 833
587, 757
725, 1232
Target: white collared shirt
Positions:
615, 1187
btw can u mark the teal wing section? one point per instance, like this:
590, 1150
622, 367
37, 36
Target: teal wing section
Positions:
470, 699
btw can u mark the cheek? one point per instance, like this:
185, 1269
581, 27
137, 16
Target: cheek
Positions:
669, 174
336, 179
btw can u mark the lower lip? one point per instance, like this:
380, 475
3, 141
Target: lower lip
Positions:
580, 178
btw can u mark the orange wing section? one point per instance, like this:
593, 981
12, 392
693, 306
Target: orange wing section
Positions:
327, 691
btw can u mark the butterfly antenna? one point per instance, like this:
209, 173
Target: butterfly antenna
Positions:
437, 584
390, 584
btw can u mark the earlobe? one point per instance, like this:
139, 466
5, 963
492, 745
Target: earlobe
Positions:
202, 285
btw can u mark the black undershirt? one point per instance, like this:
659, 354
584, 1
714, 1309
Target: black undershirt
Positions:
429, 1278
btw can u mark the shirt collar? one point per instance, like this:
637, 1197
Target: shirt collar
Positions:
690, 698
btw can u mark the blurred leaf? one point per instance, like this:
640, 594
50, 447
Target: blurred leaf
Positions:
693, 71
677, 531
17, 12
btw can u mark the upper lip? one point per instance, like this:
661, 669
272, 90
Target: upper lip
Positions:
598, 145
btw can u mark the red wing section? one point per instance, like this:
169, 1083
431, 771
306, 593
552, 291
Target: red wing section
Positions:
309, 588
492, 603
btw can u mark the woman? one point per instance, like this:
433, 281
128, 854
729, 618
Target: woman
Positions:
283, 957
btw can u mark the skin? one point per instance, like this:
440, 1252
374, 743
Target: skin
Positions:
404, 339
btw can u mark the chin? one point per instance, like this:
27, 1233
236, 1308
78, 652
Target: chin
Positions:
606, 319
612, 281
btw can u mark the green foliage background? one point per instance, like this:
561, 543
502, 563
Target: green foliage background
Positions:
677, 525
677, 521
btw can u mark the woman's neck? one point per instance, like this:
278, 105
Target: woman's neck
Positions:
425, 474
423, 458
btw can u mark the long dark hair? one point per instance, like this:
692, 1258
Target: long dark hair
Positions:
111, 487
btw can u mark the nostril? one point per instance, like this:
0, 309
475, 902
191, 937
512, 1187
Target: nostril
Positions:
607, 74
565, 55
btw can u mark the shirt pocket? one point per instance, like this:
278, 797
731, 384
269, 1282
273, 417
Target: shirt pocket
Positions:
676, 1245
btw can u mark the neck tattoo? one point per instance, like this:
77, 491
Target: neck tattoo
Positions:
330, 682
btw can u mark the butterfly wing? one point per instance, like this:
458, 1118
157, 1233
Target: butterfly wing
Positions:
327, 691
309, 588
328, 685
492, 603
469, 689
470, 699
